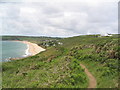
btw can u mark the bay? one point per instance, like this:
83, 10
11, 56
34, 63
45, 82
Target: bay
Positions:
12, 49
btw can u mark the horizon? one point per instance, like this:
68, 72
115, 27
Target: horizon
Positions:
58, 37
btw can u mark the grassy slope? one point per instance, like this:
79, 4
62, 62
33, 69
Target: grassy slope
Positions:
48, 69
59, 66
98, 56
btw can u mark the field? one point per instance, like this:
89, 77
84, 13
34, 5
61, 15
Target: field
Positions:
59, 66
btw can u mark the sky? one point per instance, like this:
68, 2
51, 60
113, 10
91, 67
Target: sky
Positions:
58, 18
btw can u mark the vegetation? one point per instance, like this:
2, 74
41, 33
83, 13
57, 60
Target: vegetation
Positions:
59, 66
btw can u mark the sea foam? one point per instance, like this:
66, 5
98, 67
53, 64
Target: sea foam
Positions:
27, 53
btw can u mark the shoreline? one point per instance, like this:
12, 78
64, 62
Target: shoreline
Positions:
32, 49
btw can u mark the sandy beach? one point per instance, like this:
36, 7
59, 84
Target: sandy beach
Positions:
33, 48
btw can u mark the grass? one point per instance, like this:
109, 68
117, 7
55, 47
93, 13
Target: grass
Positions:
37, 71
106, 75
59, 66
102, 81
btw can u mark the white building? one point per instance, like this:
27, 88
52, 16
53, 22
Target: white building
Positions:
106, 34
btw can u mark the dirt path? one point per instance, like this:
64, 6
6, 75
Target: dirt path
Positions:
92, 80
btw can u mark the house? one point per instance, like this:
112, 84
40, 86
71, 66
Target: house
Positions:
106, 34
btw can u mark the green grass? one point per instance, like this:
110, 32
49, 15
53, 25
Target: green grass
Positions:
41, 71
59, 66
102, 81
105, 70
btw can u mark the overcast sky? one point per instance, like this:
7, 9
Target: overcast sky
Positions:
58, 18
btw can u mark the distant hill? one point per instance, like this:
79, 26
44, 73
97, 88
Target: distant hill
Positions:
26, 38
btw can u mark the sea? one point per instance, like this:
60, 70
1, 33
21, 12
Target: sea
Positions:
12, 49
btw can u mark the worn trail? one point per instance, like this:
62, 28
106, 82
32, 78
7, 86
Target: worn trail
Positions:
92, 80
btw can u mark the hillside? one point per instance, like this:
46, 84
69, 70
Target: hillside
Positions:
59, 66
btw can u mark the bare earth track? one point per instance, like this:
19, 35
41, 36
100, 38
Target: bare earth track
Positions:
92, 80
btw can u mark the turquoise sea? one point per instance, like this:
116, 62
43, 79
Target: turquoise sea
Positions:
12, 49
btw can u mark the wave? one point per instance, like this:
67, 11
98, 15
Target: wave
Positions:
27, 53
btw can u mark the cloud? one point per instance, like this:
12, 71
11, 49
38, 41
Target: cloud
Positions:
62, 19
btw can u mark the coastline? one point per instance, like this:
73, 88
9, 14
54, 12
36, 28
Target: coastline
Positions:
32, 49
